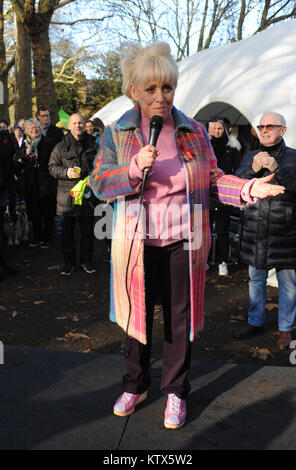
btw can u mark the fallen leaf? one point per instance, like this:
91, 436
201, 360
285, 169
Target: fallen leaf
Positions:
60, 339
61, 318
76, 335
261, 353
14, 314
75, 318
239, 317
37, 302
2, 308
86, 350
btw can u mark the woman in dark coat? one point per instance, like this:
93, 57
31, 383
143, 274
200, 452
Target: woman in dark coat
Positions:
228, 159
37, 186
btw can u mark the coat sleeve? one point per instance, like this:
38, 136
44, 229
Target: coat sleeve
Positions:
226, 188
286, 178
109, 179
55, 165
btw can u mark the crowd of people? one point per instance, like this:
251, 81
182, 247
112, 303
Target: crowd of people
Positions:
37, 161
157, 257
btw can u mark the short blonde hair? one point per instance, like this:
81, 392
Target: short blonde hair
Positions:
30, 122
145, 64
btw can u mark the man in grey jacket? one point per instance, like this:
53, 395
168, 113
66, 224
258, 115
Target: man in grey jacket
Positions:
71, 161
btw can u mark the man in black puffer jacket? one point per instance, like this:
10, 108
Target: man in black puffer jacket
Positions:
77, 149
268, 238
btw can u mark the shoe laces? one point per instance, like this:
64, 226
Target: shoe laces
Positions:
174, 404
126, 397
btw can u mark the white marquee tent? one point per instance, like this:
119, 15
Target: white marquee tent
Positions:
239, 81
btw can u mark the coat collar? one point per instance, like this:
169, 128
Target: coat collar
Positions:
131, 120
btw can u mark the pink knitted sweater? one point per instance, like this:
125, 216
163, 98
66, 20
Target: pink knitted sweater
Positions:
165, 203
165, 192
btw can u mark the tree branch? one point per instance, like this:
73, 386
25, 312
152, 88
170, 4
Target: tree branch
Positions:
71, 23
62, 4
9, 65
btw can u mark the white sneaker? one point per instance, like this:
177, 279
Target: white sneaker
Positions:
223, 271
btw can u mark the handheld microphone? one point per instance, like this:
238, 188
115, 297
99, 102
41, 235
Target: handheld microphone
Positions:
156, 124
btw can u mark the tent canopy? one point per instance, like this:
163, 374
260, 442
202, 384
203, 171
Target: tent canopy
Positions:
240, 81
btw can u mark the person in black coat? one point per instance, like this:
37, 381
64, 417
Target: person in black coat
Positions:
7, 190
37, 186
78, 149
228, 158
48, 129
268, 238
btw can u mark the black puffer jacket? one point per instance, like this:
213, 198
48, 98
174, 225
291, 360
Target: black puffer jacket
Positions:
268, 238
67, 154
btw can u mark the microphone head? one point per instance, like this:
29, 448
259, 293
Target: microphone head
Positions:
156, 122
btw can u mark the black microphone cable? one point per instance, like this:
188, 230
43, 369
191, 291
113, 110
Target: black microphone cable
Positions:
156, 124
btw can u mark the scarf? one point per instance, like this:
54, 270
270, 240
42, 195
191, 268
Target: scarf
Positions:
274, 151
33, 155
45, 128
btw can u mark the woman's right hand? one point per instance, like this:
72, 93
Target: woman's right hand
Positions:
29, 149
146, 157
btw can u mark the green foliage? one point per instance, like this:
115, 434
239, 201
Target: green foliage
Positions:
67, 97
108, 84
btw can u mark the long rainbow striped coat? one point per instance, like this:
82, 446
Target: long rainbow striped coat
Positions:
109, 181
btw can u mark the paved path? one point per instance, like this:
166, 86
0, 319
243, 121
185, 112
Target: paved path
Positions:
63, 400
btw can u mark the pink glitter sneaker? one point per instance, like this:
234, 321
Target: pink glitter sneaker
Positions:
125, 404
175, 413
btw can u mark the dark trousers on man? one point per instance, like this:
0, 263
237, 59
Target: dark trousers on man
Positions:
86, 227
166, 268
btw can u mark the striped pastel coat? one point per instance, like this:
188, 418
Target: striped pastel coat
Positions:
109, 181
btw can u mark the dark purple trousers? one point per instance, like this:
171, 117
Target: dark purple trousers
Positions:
166, 281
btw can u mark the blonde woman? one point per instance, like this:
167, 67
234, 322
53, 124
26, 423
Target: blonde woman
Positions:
166, 252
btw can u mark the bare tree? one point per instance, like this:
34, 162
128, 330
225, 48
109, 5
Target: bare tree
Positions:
276, 11
36, 17
23, 73
4, 66
193, 25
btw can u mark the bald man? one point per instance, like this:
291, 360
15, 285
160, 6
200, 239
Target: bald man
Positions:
268, 238
71, 161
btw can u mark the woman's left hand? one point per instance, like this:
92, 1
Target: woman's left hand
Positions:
262, 189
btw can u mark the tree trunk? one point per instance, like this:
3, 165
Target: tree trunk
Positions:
44, 87
23, 74
4, 102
